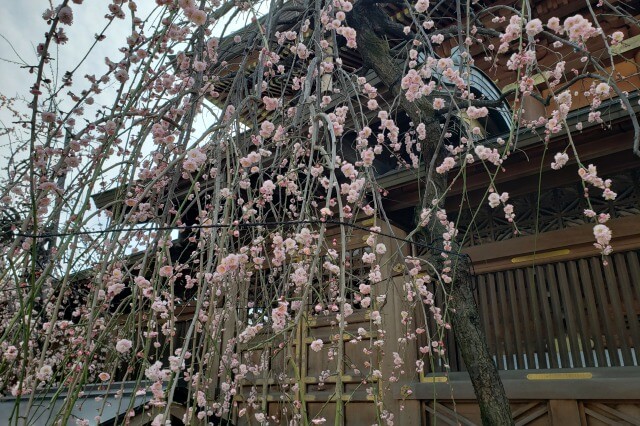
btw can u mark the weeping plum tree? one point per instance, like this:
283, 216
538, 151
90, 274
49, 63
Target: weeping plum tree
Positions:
173, 218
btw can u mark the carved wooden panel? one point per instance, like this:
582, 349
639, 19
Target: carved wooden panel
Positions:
597, 413
467, 413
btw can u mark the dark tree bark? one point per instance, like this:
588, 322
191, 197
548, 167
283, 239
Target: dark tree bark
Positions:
372, 25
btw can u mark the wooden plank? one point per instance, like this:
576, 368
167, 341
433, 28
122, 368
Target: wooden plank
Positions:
564, 412
506, 322
523, 409
627, 296
517, 320
548, 321
558, 317
603, 419
586, 270
532, 416
438, 418
527, 320
634, 270
570, 315
614, 306
536, 317
584, 320
483, 307
454, 414
619, 414
499, 331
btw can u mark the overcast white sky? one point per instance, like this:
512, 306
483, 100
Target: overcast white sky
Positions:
22, 28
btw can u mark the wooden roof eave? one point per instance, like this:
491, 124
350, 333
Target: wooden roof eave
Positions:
527, 138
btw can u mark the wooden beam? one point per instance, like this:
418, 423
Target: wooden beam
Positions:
598, 383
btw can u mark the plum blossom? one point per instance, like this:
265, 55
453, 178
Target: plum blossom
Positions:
533, 27
316, 345
197, 16
166, 271
11, 353
560, 159
476, 113
579, 28
45, 373
421, 6
554, 25
65, 15
603, 235
266, 129
271, 104
123, 346
617, 37
279, 316
602, 89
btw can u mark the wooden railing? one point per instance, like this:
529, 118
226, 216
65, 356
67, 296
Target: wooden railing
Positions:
570, 314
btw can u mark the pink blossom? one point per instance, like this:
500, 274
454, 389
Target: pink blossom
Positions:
603, 235
266, 129
65, 15
123, 346
554, 25
476, 113
11, 353
271, 104
560, 159
302, 51
438, 103
421, 6
367, 157
316, 345
617, 37
197, 16
602, 89
533, 27
166, 271
48, 117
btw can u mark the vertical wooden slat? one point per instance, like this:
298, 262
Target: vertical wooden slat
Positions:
595, 308
528, 319
543, 293
483, 306
557, 312
634, 271
615, 303
453, 355
497, 329
586, 323
534, 287
595, 266
516, 318
506, 322
570, 315
627, 297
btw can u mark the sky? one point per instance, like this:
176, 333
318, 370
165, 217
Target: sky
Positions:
22, 28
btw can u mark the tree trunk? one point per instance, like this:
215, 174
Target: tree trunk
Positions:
372, 25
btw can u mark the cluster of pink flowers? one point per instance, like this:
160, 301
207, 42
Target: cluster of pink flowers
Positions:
279, 316
191, 11
195, 158
560, 159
